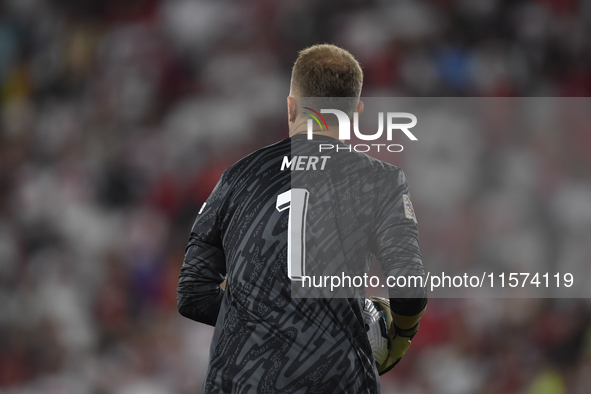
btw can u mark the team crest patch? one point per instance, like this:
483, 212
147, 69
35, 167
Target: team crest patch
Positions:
409, 212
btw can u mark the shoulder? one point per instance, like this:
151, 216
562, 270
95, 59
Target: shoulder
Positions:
260, 157
379, 169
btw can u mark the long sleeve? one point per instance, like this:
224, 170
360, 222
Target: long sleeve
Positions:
199, 295
396, 244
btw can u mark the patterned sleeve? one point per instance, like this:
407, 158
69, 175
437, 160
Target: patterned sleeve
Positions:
395, 243
199, 295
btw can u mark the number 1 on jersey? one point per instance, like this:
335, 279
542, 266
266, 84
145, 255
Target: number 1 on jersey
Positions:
297, 202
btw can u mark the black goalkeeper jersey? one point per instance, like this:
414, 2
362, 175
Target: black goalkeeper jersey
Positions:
265, 339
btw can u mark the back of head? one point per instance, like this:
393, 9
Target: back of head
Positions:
327, 71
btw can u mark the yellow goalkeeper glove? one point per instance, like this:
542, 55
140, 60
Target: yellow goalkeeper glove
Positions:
399, 339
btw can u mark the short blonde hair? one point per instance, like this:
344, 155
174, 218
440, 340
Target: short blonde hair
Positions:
326, 71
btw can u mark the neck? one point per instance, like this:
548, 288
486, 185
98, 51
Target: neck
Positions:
301, 127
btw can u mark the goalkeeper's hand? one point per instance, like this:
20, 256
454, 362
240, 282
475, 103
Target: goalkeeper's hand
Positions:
399, 339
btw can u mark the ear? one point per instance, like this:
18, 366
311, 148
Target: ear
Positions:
360, 107
292, 109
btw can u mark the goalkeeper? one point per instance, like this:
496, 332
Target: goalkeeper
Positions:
265, 340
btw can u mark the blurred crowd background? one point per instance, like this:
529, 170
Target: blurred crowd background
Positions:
118, 117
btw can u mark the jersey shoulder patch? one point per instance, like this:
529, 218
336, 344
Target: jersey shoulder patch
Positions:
409, 212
